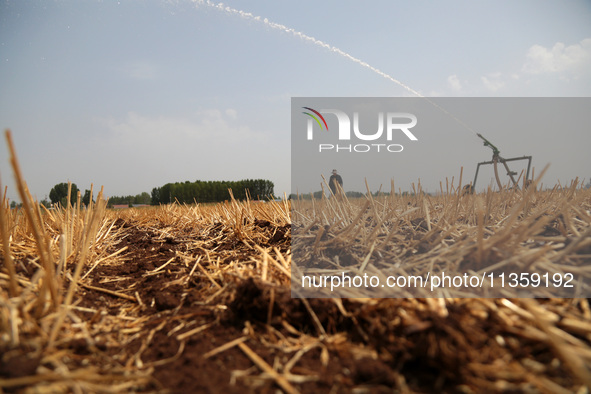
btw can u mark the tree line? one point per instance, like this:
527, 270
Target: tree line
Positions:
350, 194
183, 192
212, 191
142, 198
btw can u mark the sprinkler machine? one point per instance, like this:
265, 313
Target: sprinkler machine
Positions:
496, 158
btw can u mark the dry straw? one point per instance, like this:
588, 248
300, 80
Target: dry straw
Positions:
41, 306
511, 231
143, 292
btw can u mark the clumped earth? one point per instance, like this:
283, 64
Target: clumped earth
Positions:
198, 299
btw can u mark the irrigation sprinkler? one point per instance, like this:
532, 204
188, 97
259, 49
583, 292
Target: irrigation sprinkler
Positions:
497, 158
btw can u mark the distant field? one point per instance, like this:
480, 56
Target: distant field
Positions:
511, 243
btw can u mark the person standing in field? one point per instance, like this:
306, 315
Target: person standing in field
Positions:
334, 180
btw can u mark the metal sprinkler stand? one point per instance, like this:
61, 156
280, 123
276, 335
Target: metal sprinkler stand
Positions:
495, 160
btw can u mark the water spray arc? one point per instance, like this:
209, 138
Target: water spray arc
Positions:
305, 37
322, 44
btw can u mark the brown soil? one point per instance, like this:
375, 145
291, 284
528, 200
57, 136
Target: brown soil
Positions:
164, 320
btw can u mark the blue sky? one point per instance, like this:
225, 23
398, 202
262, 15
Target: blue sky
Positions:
135, 94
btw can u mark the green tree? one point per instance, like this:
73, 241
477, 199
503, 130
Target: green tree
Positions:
142, 198
59, 194
86, 197
155, 196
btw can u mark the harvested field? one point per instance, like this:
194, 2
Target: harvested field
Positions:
198, 299
512, 243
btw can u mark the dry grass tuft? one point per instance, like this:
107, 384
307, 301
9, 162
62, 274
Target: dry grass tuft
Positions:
197, 298
494, 233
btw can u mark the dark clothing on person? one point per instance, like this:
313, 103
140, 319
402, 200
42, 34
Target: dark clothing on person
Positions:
334, 179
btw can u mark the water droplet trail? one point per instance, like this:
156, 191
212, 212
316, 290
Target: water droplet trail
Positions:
305, 37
